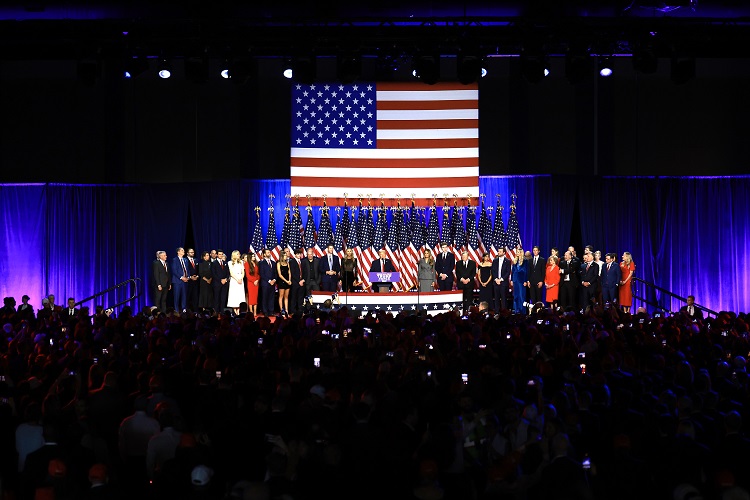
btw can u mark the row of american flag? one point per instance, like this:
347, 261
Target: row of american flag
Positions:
366, 230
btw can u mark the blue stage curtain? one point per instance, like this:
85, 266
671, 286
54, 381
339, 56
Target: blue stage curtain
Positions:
23, 242
544, 207
687, 235
219, 212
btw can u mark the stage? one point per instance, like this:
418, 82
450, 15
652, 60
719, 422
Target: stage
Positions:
363, 302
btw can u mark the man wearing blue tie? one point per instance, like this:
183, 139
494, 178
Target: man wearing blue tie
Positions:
330, 269
180, 278
610, 278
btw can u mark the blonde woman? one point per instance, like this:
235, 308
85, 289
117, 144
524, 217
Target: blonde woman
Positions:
236, 282
426, 271
285, 281
348, 271
627, 268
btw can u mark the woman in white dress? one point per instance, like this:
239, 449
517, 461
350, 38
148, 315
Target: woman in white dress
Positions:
236, 282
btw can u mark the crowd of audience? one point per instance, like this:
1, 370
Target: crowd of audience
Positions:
598, 404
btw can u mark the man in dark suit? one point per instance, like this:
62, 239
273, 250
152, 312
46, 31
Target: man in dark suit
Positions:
330, 270
690, 309
610, 278
382, 265
220, 281
589, 279
445, 263
310, 272
180, 278
70, 313
569, 281
501, 268
160, 280
537, 268
193, 285
466, 271
297, 292
267, 269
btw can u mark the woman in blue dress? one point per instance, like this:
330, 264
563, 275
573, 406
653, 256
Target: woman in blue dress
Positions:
520, 282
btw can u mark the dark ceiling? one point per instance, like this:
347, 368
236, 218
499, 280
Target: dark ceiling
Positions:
222, 28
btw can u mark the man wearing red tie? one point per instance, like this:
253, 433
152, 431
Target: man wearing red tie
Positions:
610, 278
160, 280
589, 279
180, 279
381, 265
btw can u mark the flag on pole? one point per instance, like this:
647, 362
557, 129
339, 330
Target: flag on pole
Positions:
498, 231
338, 237
432, 239
472, 237
310, 231
484, 230
325, 231
285, 229
256, 244
513, 240
352, 241
391, 137
344, 230
295, 230
458, 234
272, 241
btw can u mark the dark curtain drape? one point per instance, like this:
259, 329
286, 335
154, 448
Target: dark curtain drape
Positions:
688, 235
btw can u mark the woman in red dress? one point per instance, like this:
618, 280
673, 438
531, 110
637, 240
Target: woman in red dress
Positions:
552, 281
627, 268
252, 277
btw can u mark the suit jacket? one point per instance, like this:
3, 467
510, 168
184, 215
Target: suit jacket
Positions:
445, 265
159, 275
310, 271
611, 277
570, 270
501, 271
192, 269
468, 270
323, 265
697, 313
267, 272
591, 275
536, 272
425, 271
295, 270
175, 268
219, 272
387, 268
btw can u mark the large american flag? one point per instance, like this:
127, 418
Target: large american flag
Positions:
394, 139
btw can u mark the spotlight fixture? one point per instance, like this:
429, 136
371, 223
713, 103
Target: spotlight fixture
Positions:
605, 67
301, 69
225, 73
426, 68
164, 69
135, 66
534, 68
469, 69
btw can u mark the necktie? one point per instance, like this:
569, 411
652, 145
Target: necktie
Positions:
691, 310
588, 265
466, 264
71, 312
535, 260
184, 269
164, 263
608, 266
221, 263
330, 262
382, 265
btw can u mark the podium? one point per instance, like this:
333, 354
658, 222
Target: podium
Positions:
378, 279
